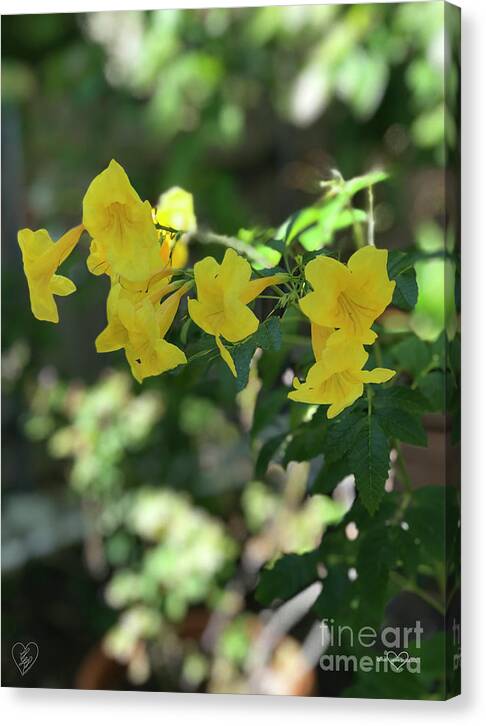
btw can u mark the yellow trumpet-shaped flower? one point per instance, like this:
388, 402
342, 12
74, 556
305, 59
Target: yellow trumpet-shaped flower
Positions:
139, 326
41, 258
337, 377
121, 225
349, 297
223, 293
175, 209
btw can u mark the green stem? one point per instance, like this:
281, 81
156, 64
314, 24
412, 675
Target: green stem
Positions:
369, 394
359, 239
371, 218
233, 242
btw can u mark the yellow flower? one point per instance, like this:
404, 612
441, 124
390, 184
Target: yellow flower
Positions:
42, 257
175, 209
349, 297
337, 377
223, 293
139, 325
121, 226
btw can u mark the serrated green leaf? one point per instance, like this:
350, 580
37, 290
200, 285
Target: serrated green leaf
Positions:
405, 294
307, 442
268, 337
402, 425
289, 575
400, 397
399, 262
341, 434
399, 411
370, 462
401, 269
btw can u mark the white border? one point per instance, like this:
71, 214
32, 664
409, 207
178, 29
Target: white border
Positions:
38, 706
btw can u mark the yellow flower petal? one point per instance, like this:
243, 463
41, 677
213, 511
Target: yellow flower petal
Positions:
377, 375
255, 287
61, 285
238, 322
154, 360
226, 356
235, 272
319, 336
168, 309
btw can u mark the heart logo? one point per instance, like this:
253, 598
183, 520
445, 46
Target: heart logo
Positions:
397, 661
24, 656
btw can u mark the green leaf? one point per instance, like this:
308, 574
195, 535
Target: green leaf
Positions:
270, 258
373, 563
401, 269
341, 434
400, 397
334, 600
185, 330
301, 221
355, 185
433, 386
307, 442
288, 576
329, 476
268, 337
332, 218
426, 518
370, 462
401, 415
268, 450
267, 407
412, 355
403, 425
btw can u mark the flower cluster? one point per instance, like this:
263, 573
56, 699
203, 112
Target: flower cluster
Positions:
344, 303
140, 249
143, 250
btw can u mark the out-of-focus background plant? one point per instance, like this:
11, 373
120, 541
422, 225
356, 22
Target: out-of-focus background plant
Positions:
134, 518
